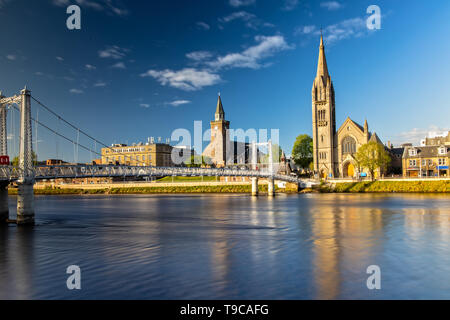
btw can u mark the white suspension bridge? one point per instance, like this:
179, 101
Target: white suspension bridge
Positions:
26, 173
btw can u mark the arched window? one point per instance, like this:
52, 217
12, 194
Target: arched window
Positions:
348, 145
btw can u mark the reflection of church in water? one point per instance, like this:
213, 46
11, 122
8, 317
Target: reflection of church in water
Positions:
333, 150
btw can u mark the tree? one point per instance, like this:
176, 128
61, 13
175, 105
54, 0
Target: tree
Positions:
15, 161
302, 152
372, 156
276, 154
194, 161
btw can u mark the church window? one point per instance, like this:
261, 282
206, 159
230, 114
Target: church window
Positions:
348, 145
321, 138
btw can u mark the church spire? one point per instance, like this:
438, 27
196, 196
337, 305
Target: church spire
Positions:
322, 69
220, 113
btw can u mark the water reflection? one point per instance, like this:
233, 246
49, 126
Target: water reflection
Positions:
230, 247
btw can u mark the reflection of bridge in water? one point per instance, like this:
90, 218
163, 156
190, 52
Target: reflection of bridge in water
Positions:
26, 173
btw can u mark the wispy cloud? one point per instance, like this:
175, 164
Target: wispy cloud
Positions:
250, 20
251, 57
100, 84
199, 55
119, 65
3, 3
177, 103
331, 5
60, 58
241, 3
188, 79
76, 91
349, 28
202, 25
416, 134
113, 52
90, 67
144, 105
289, 5
207, 72
107, 6
11, 57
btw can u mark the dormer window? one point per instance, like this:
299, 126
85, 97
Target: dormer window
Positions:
413, 152
442, 150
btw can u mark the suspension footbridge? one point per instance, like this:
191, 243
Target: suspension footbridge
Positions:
26, 172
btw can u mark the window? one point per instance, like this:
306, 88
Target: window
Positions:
430, 162
442, 150
442, 162
348, 145
424, 162
412, 152
412, 163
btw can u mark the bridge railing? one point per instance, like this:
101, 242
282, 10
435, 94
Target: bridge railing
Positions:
86, 171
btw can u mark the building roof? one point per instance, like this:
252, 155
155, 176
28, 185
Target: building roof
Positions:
426, 152
374, 138
219, 108
322, 68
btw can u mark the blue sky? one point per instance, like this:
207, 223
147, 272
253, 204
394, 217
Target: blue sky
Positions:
145, 68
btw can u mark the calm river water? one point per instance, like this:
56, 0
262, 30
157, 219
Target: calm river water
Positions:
314, 246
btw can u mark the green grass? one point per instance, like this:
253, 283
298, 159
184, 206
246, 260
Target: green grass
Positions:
395, 186
148, 190
187, 179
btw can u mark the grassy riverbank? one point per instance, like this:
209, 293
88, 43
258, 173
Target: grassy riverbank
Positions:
441, 186
148, 190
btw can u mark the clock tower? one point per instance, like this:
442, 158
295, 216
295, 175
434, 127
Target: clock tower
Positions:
219, 135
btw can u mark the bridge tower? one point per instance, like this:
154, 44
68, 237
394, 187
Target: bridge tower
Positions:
25, 196
271, 186
4, 211
254, 167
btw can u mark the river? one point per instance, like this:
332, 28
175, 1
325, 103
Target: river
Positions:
312, 246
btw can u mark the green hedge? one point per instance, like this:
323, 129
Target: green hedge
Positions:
148, 190
394, 186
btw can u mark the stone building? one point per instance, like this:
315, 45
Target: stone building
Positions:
437, 140
334, 148
426, 161
221, 150
156, 154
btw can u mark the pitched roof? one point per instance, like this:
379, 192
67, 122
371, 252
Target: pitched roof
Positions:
322, 68
374, 138
219, 108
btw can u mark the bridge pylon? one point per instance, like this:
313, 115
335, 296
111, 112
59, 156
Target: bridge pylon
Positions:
254, 167
25, 196
271, 186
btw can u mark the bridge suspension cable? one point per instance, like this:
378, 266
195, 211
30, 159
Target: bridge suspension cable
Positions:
60, 118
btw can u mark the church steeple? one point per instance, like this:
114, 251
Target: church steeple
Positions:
220, 113
322, 68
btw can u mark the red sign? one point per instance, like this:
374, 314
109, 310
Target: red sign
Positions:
4, 160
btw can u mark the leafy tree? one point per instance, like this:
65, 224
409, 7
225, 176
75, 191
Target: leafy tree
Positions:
372, 156
15, 161
302, 152
276, 154
194, 161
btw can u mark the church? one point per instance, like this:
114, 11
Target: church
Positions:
334, 149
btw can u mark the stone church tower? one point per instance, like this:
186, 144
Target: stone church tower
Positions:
324, 119
219, 135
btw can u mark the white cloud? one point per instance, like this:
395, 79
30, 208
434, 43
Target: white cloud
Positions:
305, 30
416, 134
100, 84
251, 20
113, 52
203, 25
199, 55
331, 5
90, 67
290, 5
349, 28
11, 57
76, 91
107, 6
188, 79
60, 58
177, 103
144, 105
250, 58
241, 3
119, 65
